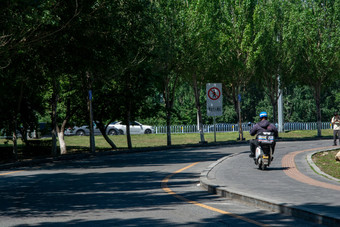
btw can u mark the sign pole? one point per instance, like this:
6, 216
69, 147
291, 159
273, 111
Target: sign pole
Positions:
92, 141
214, 102
240, 131
214, 128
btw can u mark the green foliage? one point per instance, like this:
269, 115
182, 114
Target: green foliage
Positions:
140, 58
299, 104
311, 38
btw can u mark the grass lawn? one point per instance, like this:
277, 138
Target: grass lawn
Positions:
327, 163
155, 140
76, 144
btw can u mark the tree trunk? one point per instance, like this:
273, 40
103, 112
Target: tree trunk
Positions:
23, 131
234, 98
198, 106
89, 107
168, 127
274, 105
102, 129
14, 139
317, 96
168, 109
275, 113
15, 123
240, 130
61, 138
128, 135
92, 140
234, 90
273, 87
274, 98
62, 143
168, 96
54, 123
237, 106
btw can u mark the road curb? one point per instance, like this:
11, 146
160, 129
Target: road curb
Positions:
284, 208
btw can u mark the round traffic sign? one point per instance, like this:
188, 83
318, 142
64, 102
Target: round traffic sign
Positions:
214, 93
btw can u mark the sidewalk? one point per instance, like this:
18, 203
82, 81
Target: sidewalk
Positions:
288, 186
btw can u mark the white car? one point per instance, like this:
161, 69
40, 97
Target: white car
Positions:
85, 130
135, 128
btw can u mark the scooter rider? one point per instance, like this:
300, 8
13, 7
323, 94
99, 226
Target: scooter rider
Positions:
263, 126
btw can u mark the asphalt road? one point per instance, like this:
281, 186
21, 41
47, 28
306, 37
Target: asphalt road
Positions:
289, 185
158, 188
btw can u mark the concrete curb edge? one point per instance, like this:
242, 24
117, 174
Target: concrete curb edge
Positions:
284, 208
316, 168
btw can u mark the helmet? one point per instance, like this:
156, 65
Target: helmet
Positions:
263, 114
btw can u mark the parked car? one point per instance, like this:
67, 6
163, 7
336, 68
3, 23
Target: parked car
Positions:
85, 130
135, 128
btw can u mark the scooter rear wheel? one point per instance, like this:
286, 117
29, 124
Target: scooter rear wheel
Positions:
262, 166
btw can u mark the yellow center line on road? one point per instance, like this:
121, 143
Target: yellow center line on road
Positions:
1, 174
169, 191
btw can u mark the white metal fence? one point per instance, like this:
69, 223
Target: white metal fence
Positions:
227, 127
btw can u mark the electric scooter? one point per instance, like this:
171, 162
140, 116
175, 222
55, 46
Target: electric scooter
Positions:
264, 151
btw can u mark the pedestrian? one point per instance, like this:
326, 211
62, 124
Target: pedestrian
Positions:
336, 128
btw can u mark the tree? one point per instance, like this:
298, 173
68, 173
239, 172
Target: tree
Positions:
59, 60
22, 93
311, 39
193, 48
168, 33
235, 36
134, 47
104, 49
266, 56
299, 104
24, 27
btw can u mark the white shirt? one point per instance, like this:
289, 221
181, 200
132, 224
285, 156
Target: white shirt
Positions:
336, 123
